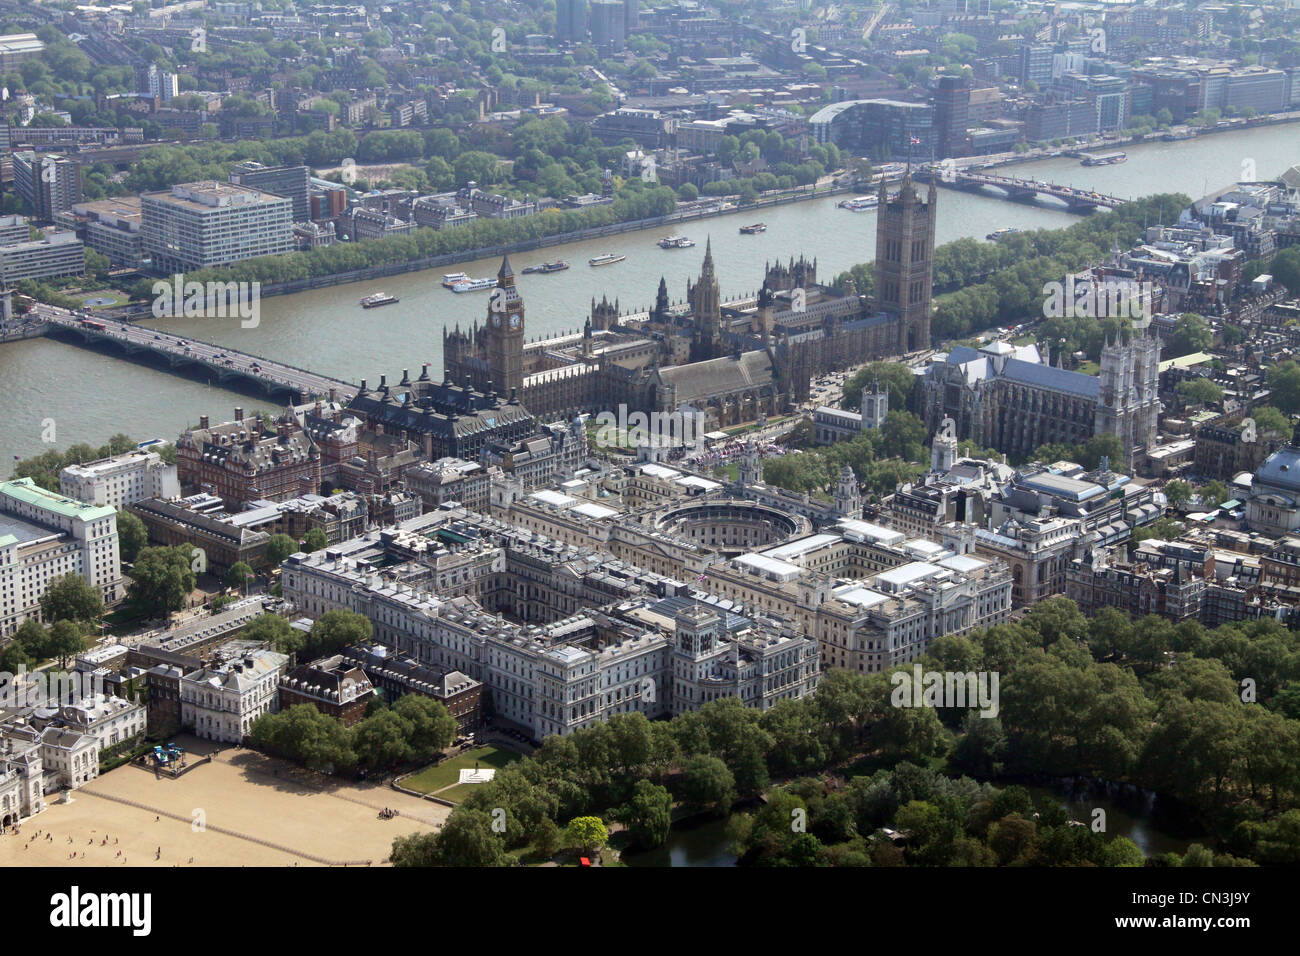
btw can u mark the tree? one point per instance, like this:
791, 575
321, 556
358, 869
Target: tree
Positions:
305, 735
65, 639
418, 849
72, 598
546, 837
1121, 851
1284, 382
1011, 838
706, 783
1098, 447
1165, 529
279, 547
315, 540
381, 741
1285, 268
895, 376
275, 631
131, 536
16, 656
903, 435
238, 575
588, 834
1191, 334
648, 815
1178, 493
33, 637
1200, 391
1269, 419
981, 750
1213, 494
1056, 619
466, 839
161, 580
432, 727
335, 630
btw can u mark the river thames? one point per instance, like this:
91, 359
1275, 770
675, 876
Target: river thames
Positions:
89, 395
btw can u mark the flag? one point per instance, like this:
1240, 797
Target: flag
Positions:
915, 141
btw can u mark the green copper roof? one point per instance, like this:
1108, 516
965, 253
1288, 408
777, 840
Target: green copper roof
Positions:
27, 491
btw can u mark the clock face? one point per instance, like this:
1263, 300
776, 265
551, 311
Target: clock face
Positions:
515, 320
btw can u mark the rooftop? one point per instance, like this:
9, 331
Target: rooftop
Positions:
29, 493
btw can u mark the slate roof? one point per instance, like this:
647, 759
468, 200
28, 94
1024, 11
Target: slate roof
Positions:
720, 376
440, 409
1281, 470
1054, 379
1021, 366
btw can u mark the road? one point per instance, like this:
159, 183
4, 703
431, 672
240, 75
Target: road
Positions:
222, 360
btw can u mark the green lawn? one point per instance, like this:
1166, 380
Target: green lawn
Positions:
458, 792
117, 297
448, 772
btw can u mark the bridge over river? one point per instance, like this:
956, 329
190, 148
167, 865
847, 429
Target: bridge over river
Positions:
223, 365
1019, 190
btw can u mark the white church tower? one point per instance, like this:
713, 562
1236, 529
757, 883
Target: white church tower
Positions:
848, 495
943, 451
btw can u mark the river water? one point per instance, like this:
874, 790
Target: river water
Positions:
90, 396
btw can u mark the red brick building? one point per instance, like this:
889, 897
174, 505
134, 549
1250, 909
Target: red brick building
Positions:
334, 686
244, 461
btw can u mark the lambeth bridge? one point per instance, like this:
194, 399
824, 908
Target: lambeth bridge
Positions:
1018, 190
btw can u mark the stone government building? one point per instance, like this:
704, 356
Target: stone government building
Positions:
735, 361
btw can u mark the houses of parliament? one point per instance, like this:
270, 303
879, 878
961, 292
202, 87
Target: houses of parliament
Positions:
733, 362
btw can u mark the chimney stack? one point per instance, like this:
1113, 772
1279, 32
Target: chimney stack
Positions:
239, 414
203, 421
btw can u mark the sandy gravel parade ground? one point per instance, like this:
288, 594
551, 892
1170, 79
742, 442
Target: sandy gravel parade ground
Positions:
242, 809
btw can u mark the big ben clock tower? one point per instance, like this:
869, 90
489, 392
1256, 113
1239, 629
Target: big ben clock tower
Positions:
505, 339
